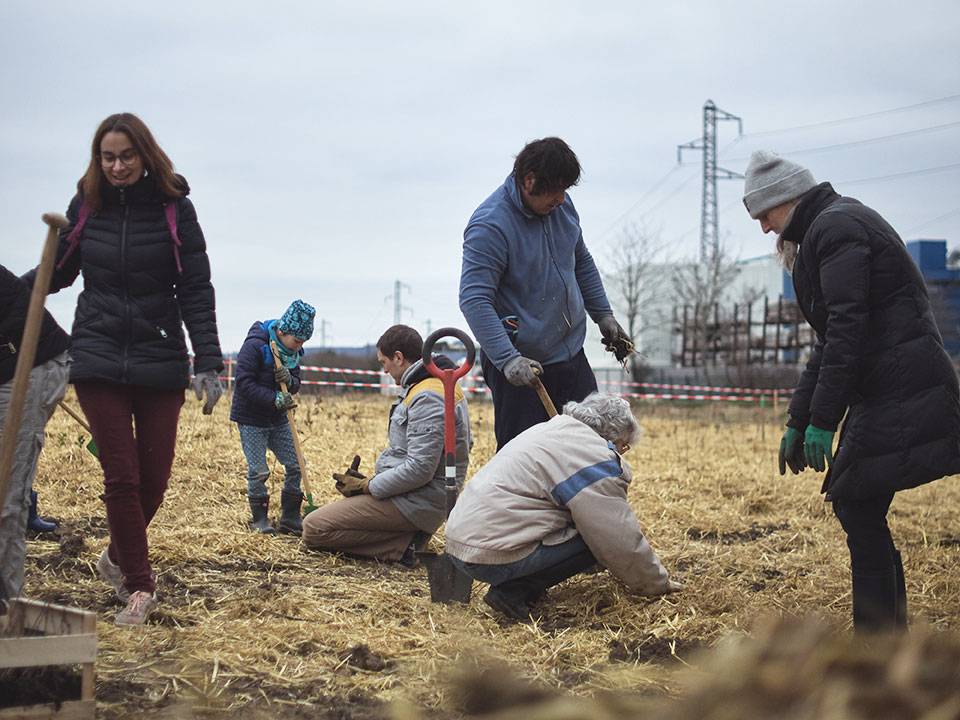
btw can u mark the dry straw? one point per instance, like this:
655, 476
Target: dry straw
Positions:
248, 619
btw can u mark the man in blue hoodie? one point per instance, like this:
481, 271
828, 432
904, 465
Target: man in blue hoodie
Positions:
526, 287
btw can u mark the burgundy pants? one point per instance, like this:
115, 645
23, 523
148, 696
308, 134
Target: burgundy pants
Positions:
135, 429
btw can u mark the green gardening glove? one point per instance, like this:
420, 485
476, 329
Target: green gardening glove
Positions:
818, 448
791, 452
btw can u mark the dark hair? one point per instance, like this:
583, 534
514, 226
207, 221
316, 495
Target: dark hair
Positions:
155, 160
552, 162
402, 338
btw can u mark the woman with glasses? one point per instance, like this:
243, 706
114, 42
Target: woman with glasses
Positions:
135, 238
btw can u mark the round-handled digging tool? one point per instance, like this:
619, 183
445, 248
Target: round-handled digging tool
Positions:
28, 352
305, 484
91, 446
447, 582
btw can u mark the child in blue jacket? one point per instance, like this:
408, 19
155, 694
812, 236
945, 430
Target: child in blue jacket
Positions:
260, 410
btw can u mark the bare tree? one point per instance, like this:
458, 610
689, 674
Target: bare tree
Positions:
699, 285
634, 279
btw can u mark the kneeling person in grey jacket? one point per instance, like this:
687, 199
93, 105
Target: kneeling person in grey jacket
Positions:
551, 504
393, 513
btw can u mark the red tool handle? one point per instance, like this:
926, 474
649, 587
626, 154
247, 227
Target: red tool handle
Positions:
449, 379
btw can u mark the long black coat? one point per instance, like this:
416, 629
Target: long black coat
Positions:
128, 327
878, 351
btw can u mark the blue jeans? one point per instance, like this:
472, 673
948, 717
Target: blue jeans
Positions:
543, 558
255, 442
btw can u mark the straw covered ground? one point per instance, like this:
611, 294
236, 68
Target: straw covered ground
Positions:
258, 627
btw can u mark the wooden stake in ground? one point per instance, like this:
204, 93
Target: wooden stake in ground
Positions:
28, 350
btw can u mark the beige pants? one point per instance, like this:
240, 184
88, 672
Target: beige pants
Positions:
359, 525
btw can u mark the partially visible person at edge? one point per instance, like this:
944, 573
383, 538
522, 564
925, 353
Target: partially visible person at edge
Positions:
553, 503
392, 514
134, 237
878, 357
260, 408
526, 286
48, 380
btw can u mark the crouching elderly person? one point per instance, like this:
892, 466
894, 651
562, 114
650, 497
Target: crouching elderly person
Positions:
393, 514
552, 503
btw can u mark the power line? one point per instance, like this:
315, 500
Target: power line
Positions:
852, 118
867, 141
653, 188
894, 176
925, 223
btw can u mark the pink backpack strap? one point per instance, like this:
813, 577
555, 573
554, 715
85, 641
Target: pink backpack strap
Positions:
73, 239
170, 210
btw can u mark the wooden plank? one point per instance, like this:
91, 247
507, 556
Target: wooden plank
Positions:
49, 650
88, 678
48, 618
67, 710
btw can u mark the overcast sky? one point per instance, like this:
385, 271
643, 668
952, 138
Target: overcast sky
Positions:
334, 147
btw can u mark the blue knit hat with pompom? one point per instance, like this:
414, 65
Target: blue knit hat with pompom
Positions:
298, 320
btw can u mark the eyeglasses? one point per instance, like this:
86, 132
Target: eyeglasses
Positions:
126, 158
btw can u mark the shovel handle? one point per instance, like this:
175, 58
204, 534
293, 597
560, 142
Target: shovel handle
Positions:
28, 350
449, 379
545, 398
293, 427
76, 416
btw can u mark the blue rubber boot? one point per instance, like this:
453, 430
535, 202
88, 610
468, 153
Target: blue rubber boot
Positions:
35, 523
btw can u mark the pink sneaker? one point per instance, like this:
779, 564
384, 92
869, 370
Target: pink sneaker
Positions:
111, 575
138, 609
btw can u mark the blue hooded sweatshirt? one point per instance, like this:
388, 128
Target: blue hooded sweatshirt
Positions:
535, 268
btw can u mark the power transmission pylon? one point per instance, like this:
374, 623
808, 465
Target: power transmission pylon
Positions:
324, 324
709, 226
398, 306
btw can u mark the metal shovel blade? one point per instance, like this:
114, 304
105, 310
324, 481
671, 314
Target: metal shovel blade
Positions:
447, 582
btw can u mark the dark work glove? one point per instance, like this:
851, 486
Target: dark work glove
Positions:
352, 482
207, 383
615, 338
818, 448
282, 375
522, 371
791, 452
284, 401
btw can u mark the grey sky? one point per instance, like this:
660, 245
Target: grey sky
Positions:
333, 147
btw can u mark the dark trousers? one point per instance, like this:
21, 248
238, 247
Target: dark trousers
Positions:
517, 408
879, 589
135, 429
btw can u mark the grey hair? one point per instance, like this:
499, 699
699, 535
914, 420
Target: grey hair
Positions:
610, 416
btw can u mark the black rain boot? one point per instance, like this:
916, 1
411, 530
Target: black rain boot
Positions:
901, 615
35, 523
258, 510
290, 522
514, 597
874, 602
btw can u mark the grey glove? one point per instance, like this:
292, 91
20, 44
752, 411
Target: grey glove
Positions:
282, 375
522, 371
207, 383
284, 401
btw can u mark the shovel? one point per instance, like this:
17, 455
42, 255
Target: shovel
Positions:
545, 398
307, 494
447, 582
91, 446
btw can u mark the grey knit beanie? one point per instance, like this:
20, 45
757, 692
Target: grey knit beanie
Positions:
772, 180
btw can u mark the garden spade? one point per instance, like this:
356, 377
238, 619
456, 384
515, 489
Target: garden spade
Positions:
447, 582
307, 494
91, 446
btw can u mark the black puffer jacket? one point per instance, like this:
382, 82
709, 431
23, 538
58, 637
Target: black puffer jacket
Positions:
878, 352
14, 301
128, 327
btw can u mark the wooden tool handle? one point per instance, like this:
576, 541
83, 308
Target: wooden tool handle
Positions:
545, 398
293, 426
28, 351
76, 416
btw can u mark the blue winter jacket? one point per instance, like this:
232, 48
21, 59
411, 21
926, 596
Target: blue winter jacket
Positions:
535, 268
255, 389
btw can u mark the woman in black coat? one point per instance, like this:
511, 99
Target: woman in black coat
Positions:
878, 358
134, 237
